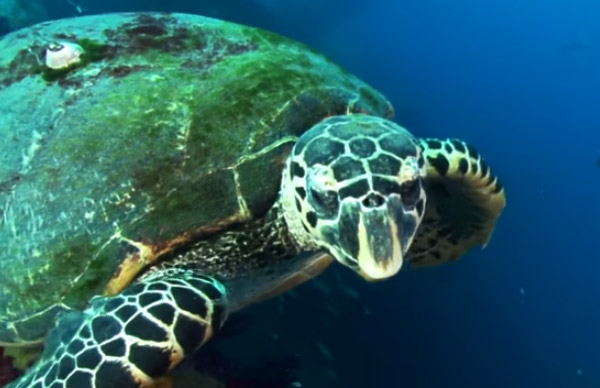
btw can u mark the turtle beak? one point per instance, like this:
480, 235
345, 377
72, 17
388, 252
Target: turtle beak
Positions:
380, 237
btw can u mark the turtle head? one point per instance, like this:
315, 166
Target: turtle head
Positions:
353, 186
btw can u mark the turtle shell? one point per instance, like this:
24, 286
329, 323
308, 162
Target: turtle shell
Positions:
167, 128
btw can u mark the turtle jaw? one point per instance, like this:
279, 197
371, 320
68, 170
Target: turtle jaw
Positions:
372, 241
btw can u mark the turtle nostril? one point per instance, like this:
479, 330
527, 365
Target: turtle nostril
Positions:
373, 200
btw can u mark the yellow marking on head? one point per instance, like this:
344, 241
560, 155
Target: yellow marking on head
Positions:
370, 268
409, 170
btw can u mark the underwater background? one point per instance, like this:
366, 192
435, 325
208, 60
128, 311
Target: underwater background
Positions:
519, 79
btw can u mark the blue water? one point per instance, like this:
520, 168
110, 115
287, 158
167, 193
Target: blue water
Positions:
521, 81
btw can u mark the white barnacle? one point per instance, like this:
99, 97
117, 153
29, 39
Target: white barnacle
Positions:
61, 55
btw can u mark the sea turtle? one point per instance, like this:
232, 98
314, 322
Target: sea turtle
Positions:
159, 171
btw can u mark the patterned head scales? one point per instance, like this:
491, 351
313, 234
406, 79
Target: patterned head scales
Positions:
353, 185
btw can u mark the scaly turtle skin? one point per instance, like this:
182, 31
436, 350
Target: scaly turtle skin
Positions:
173, 168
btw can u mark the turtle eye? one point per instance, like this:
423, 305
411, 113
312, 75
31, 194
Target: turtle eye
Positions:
409, 191
325, 202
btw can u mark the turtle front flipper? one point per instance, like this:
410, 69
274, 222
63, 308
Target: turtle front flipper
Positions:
132, 339
464, 201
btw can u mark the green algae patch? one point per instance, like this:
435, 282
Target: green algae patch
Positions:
102, 265
53, 278
93, 50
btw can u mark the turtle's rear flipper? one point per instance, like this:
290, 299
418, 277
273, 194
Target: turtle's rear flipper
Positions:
464, 201
132, 339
